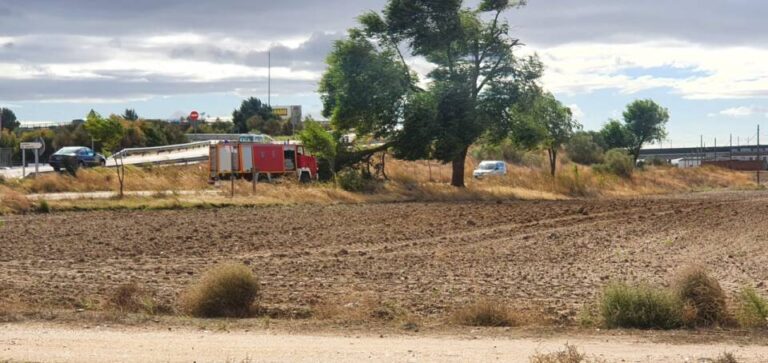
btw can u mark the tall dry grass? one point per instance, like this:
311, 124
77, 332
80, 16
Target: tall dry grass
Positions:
408, 181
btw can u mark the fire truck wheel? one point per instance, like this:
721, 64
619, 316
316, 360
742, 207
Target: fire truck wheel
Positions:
305, 177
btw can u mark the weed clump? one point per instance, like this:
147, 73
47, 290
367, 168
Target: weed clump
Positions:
753, 309
228, 290
640, 307
702, 297
569, 355
132, 298
485, 313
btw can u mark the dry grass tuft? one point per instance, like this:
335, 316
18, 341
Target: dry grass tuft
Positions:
133, 298
569, 355
702, 297
14, 202
726, 358
486, 312
365, 308
228, 290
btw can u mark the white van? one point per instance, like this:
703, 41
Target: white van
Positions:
490, 167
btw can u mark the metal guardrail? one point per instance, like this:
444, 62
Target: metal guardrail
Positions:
160, 149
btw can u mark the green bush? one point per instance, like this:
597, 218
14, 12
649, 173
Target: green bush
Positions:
617, 162
504, 150
351, 180
640, 307
584, 150
44, 207
753, 309
228, 290
702, 297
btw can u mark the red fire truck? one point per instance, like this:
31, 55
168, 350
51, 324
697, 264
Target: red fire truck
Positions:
246, 159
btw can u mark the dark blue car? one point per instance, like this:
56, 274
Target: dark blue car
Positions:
76, 157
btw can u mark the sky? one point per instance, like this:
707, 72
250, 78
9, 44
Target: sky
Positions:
703, 60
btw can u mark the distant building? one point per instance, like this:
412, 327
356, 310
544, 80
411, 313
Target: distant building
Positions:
292, 113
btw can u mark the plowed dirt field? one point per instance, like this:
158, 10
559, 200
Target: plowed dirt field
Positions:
427, 257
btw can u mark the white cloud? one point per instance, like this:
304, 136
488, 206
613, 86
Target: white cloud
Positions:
578, 113
720, 72
745, 111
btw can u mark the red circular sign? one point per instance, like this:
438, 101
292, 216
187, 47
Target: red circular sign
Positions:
194, 116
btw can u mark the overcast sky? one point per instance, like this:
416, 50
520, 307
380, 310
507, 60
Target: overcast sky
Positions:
704, 60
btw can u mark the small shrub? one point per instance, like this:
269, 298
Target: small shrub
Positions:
126, 298
640, 307
569, 355
584, 150
726, 358
485, 313
702, 297
227, 290
753, 309
617, 162
44, 207
350, 180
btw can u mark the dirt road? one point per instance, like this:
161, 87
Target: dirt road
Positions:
424, 257
40, 343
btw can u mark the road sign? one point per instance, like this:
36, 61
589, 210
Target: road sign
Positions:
194, 115
31, 145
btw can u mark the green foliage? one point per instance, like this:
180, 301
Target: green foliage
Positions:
640, 307
130, 114
614, 135
646, 122
254, 110
702, 297
227, 290
319, 142
9, 119
109, 131
583, 149
43, 206
505, 150
9, 140
351, 180
617, 162
753, 309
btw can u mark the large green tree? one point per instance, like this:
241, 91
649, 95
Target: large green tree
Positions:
646, 121
251, 109
475, 77
8, 119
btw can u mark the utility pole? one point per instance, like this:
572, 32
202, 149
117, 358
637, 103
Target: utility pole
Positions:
715, 149
731, 147
269, 78
758, 155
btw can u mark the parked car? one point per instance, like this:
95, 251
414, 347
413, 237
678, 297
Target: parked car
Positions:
490, 167
76, 157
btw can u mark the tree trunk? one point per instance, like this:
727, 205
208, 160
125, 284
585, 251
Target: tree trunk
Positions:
552, 161
457, 179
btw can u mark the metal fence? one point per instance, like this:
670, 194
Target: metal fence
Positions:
6, 157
